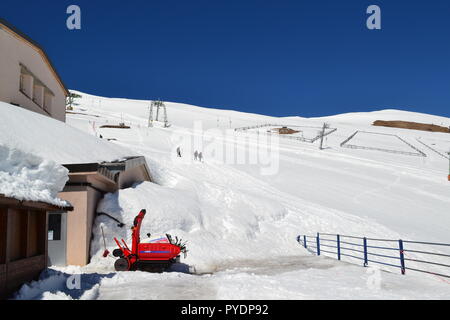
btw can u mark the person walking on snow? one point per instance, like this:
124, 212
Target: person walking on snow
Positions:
200, 156
179, 152
195, 155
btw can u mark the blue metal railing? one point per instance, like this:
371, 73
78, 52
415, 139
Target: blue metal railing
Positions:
400, 254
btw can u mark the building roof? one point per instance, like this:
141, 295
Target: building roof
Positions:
12, 202
8, 27
110, 170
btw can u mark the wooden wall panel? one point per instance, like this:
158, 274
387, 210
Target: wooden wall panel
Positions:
23, 271
3, 233
18, 234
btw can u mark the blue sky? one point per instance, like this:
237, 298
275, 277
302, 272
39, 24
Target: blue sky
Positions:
275, 57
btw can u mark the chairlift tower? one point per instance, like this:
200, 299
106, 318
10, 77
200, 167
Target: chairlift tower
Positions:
158, 104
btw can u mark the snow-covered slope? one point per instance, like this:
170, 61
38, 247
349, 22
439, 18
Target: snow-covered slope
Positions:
237, 216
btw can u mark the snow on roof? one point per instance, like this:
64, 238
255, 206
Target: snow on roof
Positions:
52, 139
24, 176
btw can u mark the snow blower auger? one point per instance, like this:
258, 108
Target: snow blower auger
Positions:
152, 255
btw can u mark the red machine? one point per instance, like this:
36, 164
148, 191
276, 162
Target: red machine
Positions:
155, 256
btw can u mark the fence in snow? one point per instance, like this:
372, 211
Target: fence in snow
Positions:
303, 139
432, 149
399, 254
419, 153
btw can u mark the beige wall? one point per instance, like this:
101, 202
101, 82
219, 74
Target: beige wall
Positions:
13, 51
84, 200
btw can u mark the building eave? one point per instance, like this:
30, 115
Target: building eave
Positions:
8, 201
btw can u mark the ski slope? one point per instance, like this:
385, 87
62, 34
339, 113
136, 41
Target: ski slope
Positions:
241, 216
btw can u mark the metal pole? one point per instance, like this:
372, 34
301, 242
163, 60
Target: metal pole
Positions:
150, 116
449, 166
166, 120
318, 244
339, 247
366, 262
402, 256
322, 135
157, 110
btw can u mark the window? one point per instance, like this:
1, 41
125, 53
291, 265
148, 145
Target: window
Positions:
22, 82
38, 93
35, 89
54, 227
26, 83
48, 98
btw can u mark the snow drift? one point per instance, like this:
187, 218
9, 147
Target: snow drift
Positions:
24, 176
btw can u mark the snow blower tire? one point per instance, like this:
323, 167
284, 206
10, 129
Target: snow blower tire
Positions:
121, 265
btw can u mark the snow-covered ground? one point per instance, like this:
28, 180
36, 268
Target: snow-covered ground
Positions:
243, 206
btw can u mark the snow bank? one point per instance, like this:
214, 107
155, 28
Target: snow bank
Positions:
52, 139
57, 285
24, 176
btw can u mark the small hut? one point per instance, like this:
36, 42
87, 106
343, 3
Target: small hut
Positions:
285, 130
23, 241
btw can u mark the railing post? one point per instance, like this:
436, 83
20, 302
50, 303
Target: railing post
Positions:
339, 247
402, 256
318, 244
304, 241
366, 262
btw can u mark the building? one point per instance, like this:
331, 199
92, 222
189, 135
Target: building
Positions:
27, 77
88, 183
23, 242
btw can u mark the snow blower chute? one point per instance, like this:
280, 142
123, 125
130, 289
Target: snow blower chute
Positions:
153, 256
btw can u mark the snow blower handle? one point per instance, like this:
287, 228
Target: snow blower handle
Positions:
106, 252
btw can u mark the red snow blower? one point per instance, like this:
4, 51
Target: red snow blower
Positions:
153, 256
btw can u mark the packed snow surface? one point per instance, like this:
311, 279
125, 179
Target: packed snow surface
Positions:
242, 207
25, 176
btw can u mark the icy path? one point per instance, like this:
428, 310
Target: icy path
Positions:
301, 277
